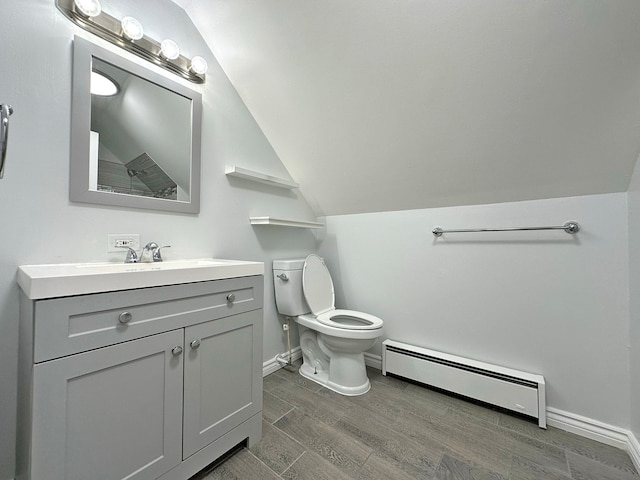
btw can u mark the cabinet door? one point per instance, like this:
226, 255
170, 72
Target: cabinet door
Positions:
222, 377
111, 413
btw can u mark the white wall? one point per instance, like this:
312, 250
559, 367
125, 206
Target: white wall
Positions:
545, 302
413, 104
40, 225
634, 295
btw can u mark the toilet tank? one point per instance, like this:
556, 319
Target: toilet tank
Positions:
289, 295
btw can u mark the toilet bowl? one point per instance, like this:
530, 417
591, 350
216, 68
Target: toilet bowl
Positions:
333, 341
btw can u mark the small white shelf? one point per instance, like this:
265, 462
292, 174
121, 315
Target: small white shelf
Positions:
233, 171
280, 222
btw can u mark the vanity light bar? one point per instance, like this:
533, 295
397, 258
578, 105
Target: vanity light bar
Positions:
110, 28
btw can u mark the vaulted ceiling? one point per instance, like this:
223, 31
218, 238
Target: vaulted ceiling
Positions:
377, 105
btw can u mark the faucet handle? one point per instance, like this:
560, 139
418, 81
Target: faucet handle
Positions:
150, 246
157, 257
132, 256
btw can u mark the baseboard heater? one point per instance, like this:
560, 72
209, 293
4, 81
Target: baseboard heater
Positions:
513, 390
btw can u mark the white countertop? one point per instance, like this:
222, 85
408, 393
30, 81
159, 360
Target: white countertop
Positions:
66, 279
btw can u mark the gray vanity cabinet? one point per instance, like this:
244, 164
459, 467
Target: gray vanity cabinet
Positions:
116, 410
223, 366
143, 384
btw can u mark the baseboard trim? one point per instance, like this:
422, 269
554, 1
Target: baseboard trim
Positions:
373, 361
272, 365
634, 450
596, 430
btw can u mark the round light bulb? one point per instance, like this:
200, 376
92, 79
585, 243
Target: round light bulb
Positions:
198, 65
102, 85
132, 28
89, 8
169, 49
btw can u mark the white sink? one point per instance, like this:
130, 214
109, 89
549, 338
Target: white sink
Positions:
62, 280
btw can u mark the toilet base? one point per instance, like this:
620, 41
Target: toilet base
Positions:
322, 377
336, 363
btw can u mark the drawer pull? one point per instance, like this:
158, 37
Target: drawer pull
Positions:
125, 317
195, 344
231, 297
176, 350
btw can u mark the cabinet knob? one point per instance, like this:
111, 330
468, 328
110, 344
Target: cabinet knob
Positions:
176, 350
125, 317
195, 343
231, 297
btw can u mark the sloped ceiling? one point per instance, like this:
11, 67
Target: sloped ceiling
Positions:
377, 105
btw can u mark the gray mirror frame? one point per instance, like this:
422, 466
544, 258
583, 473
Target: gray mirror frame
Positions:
83, 52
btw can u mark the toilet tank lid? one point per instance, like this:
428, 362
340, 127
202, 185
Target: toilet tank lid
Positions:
289, 264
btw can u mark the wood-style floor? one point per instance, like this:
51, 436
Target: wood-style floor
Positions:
404, 431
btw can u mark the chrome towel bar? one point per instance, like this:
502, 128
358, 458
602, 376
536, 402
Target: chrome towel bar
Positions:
5, 112
569, 227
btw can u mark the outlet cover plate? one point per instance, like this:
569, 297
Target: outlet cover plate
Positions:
131, 240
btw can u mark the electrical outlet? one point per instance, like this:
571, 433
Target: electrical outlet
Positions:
115, 242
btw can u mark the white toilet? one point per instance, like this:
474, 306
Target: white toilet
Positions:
333, 341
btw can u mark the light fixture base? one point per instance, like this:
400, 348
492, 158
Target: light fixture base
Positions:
109, 28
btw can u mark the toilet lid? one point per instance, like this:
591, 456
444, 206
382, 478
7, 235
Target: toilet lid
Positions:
317, 285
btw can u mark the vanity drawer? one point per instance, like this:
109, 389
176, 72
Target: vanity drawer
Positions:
68, 325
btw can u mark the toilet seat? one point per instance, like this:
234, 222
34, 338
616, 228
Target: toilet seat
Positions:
349, 319
319, 294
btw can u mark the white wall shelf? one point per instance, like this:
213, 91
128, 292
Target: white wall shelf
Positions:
280, 222
234, 171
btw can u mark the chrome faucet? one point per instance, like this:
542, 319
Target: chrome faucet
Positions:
157, 257
132, 256
150, 253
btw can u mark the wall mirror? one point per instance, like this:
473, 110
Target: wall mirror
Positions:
137, 145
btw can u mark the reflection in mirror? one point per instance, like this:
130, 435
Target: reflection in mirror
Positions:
137, 145
141, 151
